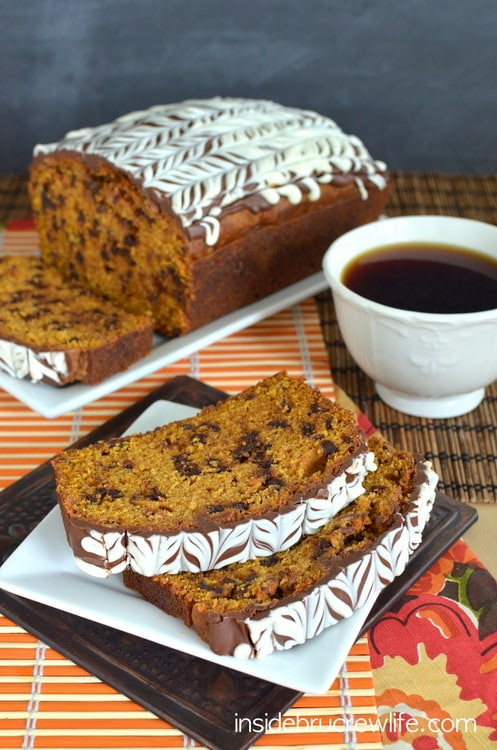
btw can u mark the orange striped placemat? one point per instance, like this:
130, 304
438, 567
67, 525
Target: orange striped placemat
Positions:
46, 701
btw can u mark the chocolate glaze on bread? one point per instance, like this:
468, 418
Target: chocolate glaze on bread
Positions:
257, 607
162, 208
242, 479
55, 332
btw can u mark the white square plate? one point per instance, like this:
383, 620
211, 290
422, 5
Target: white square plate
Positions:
43, 569
51, 401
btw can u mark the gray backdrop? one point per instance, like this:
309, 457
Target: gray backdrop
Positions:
416, 79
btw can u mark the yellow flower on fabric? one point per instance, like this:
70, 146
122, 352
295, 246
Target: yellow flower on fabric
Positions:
428, 713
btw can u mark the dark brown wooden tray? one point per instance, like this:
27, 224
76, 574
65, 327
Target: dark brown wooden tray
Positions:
198, 697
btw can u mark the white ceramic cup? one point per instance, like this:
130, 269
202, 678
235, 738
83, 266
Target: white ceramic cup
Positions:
423, 364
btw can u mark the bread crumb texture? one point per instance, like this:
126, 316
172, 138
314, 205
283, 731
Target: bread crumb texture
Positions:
42, 311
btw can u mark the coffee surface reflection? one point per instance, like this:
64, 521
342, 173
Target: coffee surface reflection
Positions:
425, 277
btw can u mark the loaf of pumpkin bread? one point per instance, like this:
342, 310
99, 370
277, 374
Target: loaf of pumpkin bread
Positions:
193, 210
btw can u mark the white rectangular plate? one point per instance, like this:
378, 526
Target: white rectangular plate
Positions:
51, 401
43, 569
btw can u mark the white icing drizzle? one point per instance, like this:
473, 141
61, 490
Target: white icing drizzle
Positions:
21, 362
206, 155
354, 585
111, 552
343, 489
109, 546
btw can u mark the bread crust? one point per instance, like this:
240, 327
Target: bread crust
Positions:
285, 245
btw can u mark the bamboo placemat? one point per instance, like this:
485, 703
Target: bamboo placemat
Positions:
463, 449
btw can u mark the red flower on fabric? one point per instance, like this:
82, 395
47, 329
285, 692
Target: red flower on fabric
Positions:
443, 620
433, 621
433, 581
444, 628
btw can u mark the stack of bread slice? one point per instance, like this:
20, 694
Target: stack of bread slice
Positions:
260, 521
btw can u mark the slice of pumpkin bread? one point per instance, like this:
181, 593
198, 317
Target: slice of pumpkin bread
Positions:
54, 332
242, 479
